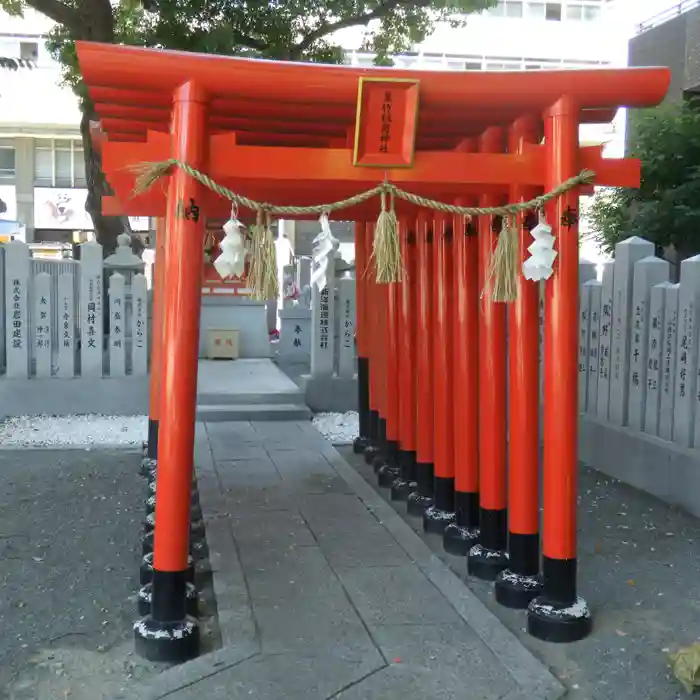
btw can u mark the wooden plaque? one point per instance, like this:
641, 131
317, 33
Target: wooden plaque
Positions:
386, 122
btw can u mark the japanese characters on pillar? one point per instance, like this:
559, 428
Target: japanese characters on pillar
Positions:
17, 276
42, 324
139, 346
385, 125
91, 281
18, 318
117, 349
66, 330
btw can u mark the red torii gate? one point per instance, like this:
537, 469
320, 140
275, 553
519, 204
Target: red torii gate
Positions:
294, 134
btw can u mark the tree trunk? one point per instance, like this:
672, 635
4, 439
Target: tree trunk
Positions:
107, 228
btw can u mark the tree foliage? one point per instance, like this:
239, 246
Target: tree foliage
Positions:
290, 30
665, 209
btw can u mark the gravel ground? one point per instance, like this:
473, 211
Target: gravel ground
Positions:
74, 431
638, 563
70, 523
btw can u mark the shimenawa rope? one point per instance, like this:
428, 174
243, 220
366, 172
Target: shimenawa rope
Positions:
386, 250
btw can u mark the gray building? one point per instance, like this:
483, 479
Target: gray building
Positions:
671, 38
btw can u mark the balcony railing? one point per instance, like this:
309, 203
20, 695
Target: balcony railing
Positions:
667, 15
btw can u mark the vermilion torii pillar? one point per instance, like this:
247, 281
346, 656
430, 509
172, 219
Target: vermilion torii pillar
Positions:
168, 633
517, 585
488, 558
559, 614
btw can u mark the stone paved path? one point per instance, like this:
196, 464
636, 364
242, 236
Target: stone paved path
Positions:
323, 592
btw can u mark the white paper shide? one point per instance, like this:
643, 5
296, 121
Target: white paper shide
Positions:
324, 248
539, 266
231, 261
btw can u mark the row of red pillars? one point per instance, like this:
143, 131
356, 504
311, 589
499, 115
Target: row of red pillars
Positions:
449, 387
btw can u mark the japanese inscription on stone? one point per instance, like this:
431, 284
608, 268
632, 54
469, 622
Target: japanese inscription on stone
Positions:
42, 324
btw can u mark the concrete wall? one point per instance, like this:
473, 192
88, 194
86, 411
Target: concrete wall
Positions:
664, 45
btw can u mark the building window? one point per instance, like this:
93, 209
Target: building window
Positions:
29, 51
513, 9
552, 11
536, 10
59, 163
578, 12
7, 160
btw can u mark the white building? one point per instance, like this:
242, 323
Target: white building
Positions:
42, 173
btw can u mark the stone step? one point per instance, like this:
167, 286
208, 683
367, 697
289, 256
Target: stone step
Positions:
288, 397
253, 412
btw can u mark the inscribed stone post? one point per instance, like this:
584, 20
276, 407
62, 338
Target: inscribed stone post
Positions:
668, 368
346, 351
584, 326
18, 335
304, 272
117, 334
605, 338
91, 310
657, 305
594, 290
627, 253
648, 272
139, 326
323, 337
41, 320
66, 329
687, 352
586, 272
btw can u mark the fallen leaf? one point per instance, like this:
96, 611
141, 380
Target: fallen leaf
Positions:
686, 666
631, 582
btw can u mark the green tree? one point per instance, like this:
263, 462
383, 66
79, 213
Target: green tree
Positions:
665, 209
293, 30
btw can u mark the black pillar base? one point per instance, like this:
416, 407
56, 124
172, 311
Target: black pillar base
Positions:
559, 614
363, 411
558, 622
379, 461
148, 465
152, 445
360, 444
486, 564
520, 582
386, 475
436, 520
371, 453
441, 514
401, 489
198, 548
146, 596
417, 504
173, 642
516, 591
146, 569
458, 540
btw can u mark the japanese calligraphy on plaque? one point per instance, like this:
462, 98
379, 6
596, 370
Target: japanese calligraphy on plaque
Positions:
385, 126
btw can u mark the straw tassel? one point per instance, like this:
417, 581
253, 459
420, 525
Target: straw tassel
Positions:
504, 263
386, 248
263, 261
